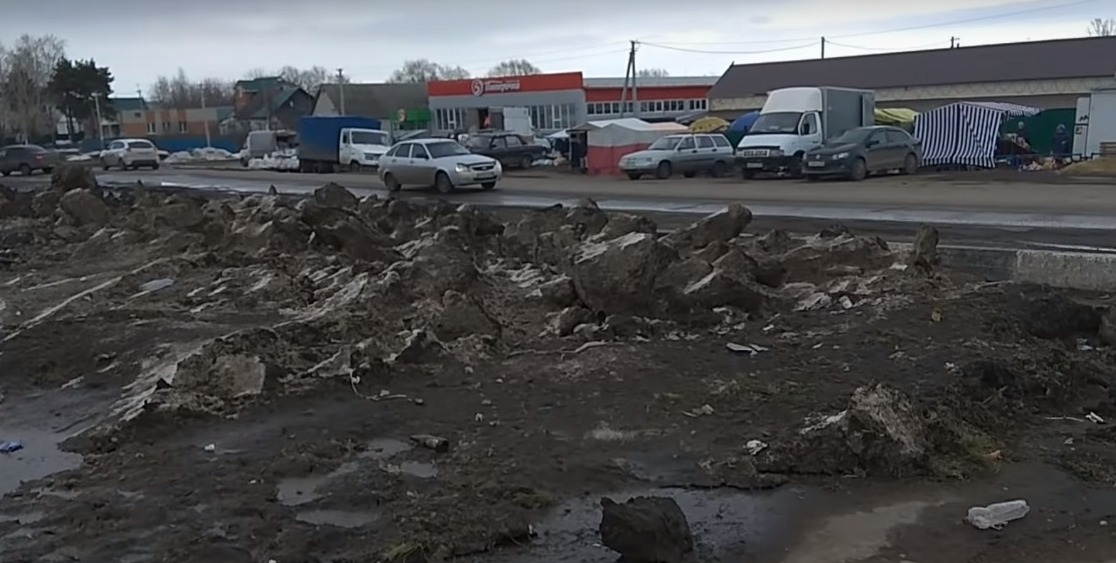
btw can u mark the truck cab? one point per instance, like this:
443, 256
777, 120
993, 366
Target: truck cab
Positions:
795, 120
361, 149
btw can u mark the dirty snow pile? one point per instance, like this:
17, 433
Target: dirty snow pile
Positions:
272, 296
204, 154
451, 283
286, 159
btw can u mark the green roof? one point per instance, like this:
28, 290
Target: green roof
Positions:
128, 104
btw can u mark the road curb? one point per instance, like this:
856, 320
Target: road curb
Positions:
1091, 271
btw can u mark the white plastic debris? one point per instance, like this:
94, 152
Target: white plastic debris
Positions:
754, 447
996, 516
750, 349
210, 448
1094, 418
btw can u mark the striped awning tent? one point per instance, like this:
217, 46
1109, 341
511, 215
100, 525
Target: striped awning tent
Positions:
965, 133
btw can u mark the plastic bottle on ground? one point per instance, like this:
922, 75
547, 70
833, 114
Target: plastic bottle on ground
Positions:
996, 516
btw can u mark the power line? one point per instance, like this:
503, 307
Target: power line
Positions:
970, 20
709, 52
936, 44
1002, 15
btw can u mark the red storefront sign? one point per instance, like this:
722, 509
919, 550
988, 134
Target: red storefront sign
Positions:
481, 87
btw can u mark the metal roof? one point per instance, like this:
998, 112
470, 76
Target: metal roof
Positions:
380, 101
1090, 57
653, 81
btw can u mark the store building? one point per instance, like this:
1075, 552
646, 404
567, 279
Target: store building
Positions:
659, 98
563, 100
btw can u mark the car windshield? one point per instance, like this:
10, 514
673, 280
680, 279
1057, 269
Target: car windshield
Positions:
850, 137
780, 122
665, 144
370, 138
442, 150
140, 145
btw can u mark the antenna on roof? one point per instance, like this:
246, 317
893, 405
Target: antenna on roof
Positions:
954, 42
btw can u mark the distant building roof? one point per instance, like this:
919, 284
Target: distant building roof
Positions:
380, 101
262, 84
1038, 60
654, 81
128, 104
265, 102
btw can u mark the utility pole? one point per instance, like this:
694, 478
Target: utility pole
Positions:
100, 126
630, 81
341, 88
205, 120
823, 47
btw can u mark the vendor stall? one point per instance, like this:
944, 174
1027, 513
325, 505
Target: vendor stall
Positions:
965, 133
609, 140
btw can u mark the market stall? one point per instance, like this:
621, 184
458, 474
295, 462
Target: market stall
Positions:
896, 117
609, 140
965, 133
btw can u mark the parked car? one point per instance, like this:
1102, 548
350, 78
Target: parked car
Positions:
509, 148
26, 159
442, 163
687, 154
130, 154
858, 152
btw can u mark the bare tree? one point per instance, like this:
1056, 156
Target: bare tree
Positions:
309, 79
424, 70
652, 73
180, 92
29, 64
514, 67
1102, 27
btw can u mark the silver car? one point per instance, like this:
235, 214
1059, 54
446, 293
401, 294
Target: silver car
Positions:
442, 163
687, 154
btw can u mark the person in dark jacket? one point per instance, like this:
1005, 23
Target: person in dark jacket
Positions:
1063, 144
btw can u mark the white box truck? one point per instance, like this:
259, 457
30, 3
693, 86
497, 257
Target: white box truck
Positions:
795, 120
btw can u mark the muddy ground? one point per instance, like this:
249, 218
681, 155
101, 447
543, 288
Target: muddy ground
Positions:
256, 379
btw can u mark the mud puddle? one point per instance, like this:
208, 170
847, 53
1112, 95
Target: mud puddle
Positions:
300, 491
40, 423
727, 524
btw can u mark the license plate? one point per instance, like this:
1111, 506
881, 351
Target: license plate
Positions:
815, 164
753, 165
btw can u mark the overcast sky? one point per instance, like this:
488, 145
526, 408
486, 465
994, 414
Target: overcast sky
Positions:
141, 39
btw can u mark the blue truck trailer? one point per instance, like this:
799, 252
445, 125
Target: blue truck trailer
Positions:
336, 143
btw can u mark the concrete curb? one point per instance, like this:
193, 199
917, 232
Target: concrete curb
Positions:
1091, 271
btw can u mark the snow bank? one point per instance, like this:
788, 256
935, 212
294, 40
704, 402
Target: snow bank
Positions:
278, 160
206, 154
81, 157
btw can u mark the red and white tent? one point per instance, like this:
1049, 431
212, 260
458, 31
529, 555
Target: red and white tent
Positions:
610, 139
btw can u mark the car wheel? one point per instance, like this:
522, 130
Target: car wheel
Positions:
910, 164
391, 183
663, 171
720, 169
488, 186
795, 168
355, 166
634, 175
155, 166
858, 170
748, 174
526, 162
442, 183
25, 169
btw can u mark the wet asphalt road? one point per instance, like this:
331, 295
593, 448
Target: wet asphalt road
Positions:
1065, 216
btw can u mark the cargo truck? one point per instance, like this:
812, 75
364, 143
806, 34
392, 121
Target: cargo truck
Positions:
337, 143
795, 120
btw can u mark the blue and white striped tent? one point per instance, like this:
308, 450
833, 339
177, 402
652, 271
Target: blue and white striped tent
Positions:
964, 133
